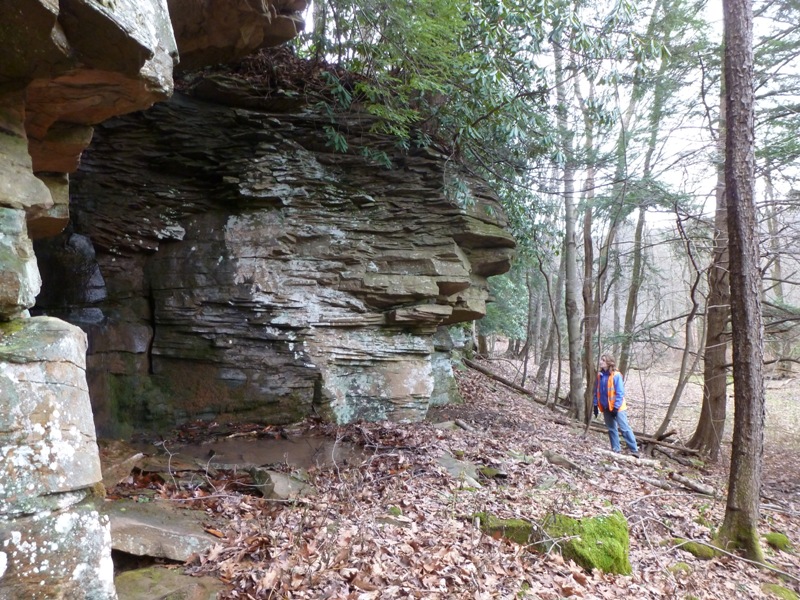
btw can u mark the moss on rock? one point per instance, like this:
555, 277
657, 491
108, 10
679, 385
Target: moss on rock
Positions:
779, 591
680, 567
516, 530
593, 543
778, 541
701, 551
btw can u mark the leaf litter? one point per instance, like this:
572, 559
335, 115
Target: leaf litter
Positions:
397, 525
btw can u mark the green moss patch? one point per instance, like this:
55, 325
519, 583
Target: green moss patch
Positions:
779, 591
701, 551
516, 530
593, 543
680, 568
778, 541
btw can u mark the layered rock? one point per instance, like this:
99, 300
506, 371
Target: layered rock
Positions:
59, 80
253, 273
66, 66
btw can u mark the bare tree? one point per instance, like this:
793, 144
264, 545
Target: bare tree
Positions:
740, 526
711, 425
570, 246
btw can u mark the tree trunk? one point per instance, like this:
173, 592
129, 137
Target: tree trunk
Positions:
782, 344
591, 317
553, 337
571, 250
687, 355
740, 526
637, 271
533, 318
711, 425
617, 285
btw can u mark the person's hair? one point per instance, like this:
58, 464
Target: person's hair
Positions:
610, 362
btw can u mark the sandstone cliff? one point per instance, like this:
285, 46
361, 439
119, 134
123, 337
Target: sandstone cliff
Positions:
67, 66
226, 263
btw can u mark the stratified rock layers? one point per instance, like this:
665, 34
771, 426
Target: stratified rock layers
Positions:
251, 272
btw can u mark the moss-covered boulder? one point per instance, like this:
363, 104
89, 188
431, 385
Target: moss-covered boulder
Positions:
778, 541
516, 530
593, 543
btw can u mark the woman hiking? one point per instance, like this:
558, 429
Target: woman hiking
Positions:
609, 399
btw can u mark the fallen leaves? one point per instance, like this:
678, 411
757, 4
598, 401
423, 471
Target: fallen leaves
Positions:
397, 525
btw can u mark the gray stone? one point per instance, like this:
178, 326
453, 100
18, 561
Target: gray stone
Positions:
157, 529
295, 281
280, 486
445, 389
61, 554
47, 438
19, 188
19, 279
460, 469
47, 221
160, 583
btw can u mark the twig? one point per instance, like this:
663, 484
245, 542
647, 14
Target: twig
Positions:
741, 558
503, 380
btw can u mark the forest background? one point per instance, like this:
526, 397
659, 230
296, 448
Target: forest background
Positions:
647, 159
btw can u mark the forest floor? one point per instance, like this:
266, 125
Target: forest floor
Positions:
397, 525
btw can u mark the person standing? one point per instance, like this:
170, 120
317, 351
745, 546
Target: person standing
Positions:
609, 398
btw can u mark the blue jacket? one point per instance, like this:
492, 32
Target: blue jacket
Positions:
603, 386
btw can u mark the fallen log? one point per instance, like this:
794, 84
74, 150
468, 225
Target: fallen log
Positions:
693, 485
562, 461
627, 458
639, 436
503, 380
678, 459
464, 425
664, 485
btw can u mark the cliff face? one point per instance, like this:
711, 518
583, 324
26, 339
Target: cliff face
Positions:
226, 263
67, 66
218, 258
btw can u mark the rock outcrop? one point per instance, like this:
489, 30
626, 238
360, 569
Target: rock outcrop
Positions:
226, 263
67, 66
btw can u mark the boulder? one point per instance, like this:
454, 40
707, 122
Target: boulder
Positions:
53, 542
592, 542
63, 553
20, 281
47, 437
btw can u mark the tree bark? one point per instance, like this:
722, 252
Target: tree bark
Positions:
740, 526
711, 425
637, 270
571, 251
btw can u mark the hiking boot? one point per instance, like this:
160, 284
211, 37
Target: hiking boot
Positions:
634, 454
